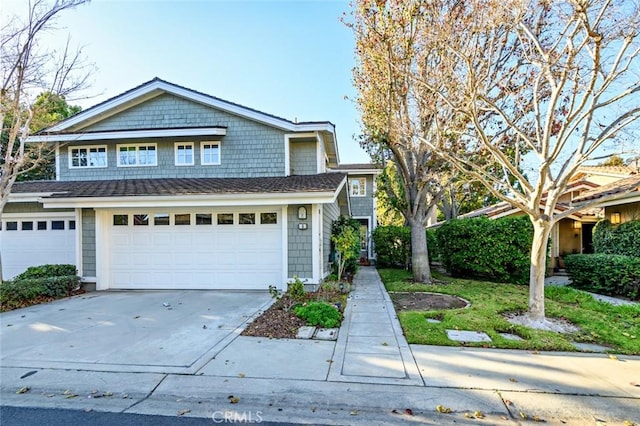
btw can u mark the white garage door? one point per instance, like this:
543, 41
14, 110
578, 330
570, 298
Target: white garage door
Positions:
32, 240
202, 249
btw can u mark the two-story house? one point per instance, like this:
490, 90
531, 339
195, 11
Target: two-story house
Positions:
164, 187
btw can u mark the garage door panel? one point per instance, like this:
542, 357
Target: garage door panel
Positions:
195, 256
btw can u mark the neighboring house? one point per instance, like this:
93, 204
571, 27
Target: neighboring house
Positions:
574, 234
163, 187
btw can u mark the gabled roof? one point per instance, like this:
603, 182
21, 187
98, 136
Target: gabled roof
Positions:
327, 182
157, 86
630, 185
613, 171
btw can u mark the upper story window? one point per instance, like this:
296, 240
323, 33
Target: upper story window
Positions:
210, 153
137, 155
184, 153
358, 187
87, 156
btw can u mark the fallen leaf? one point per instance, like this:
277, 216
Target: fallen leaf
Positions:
508, 403
537, 419
535, 352
385, 344
524, 415
504, 417
442, 409
394, 411
634, 384
233, 399
313, 409
71, 395
408, 411
125, 395
241, 375
23, 389
513, 380
136, 317
204, 327
183, 412
478, 414
613, 357
629, 423
354, 412
468, 415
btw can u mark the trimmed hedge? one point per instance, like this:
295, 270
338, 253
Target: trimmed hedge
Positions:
623, 239
480, 247
393, 245
44, 271
609, 274
14, 294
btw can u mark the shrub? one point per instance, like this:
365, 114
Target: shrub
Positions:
14, 294
432, 245
319, 313
480, 247
609, 274
295, 289
44, 271
393, 245
623, 239
350, 251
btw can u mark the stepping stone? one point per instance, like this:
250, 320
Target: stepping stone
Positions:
305, 332
510, 336
467, 336
327, 334
590, 347
433, 321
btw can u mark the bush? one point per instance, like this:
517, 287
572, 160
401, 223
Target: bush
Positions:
353, 256
14, 294
623, 239
432, 245
609, 274
44, 271
319, 313
393, 245
479, 247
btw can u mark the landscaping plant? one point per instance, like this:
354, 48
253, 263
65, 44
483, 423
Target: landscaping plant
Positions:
319, 314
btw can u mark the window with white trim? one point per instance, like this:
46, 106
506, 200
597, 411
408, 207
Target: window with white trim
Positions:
87, 156
184, 153
358, 187
137, 155
210, 153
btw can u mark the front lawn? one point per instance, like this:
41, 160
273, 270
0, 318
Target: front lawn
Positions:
617, 327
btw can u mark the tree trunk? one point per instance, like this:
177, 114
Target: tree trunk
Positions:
419, 253
541, 232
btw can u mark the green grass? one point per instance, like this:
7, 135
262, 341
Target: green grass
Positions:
617, 327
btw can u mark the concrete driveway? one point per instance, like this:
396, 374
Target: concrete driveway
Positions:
136, 331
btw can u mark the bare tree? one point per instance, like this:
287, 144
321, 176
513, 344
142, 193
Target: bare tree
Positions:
399, 116
27, 71
552, 78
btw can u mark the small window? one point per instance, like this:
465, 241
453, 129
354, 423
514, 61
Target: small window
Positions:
203, 219
12, 226
247, 218
120, 219
184, 154
27, 226
87, 156
225, 218
358, 187
42, 225
182, 219
72, 224
140, 219
160, 219
268, 218
137, 155
210, 153
57, 225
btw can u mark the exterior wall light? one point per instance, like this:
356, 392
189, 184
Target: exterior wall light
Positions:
302, 212
615, 218
577, 224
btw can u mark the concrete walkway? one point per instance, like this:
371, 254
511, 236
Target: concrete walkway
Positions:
371, 347
563, 280
369, 376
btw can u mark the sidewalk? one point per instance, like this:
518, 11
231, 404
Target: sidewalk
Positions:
369, 376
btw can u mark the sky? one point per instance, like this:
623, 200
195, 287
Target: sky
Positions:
292, 59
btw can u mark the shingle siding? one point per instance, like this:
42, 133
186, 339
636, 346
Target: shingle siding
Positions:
30, 208
249, 149
299, 244
88, 243
363, 206
329, 214
303, 158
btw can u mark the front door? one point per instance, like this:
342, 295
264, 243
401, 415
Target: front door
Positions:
364, 238
587, 238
